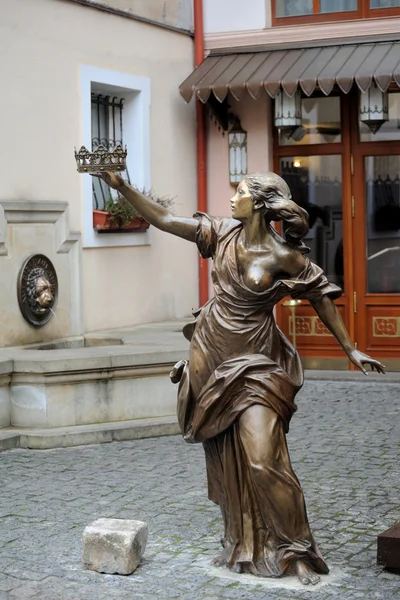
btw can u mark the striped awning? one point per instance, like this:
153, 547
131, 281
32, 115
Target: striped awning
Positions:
309, 68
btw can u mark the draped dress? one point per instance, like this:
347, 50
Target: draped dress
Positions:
246, 360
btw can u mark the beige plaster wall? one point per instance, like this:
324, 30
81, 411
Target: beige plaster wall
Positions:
177, 13
235, 15
255, 118
45, 43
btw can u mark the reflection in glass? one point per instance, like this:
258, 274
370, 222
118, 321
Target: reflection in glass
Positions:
320, 123
382, 192
389, 130
331, 6
293, 8
383, 3
316, 185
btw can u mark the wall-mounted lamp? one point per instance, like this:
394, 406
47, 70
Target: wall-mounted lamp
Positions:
374, 108
297, 164
237, 139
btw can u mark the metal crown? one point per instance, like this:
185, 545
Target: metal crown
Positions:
101, 159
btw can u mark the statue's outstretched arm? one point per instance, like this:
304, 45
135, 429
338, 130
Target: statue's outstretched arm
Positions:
150, 210
330, 316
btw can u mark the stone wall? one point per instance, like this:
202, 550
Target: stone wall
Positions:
174, 13
48, 42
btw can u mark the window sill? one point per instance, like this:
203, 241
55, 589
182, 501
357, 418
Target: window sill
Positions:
102, 223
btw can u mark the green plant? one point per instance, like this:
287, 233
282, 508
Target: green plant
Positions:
122, 212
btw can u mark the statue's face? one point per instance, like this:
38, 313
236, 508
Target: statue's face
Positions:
242, 203
44, 296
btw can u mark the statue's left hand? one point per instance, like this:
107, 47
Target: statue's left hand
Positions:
360, 359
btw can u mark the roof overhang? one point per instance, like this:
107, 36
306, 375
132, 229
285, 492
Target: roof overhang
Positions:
269, 70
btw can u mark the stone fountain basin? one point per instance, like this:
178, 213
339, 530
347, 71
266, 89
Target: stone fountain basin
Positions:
94, 379
81, 342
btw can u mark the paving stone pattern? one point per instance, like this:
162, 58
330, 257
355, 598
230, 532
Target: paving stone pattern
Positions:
344, 443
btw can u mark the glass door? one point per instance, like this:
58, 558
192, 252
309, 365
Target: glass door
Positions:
314, 160
376, 238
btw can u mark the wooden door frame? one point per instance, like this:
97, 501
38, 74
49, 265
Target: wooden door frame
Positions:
361, 150
343, 148
353, 152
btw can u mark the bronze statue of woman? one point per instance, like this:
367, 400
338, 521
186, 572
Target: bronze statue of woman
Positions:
236, 393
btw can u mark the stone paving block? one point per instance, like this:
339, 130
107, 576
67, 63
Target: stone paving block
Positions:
114, 545
164, 481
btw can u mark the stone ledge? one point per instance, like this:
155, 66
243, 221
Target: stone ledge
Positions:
8, 441
90, 359
6, 367
83, 435
317, 375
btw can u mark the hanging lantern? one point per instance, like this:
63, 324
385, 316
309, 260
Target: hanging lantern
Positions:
374, 108
237, 139
288, 111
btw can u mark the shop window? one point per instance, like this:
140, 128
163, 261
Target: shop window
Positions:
320, 123
288, 8
382, 194
384, 3
390, 130
287, 12
316, 186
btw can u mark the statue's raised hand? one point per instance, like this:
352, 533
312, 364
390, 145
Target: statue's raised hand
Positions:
111, 179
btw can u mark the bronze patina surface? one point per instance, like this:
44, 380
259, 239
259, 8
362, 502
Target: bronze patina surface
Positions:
37, 289
236, 393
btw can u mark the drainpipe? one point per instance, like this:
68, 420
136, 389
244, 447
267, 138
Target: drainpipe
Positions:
201, 143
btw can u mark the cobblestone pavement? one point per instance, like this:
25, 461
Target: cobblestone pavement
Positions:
344, 444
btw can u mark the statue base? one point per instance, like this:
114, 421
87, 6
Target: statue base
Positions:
288, 582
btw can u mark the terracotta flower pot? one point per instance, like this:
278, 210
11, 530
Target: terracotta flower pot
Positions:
102, 223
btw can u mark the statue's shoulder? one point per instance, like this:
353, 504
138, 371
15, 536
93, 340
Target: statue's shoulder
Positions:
220, 225
225, 225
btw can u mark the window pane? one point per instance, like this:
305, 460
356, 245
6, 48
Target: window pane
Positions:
384, 3
382, 192
331, 6
320, 123
389, 130
316, 185
293, 8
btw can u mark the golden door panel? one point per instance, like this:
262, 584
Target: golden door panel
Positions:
383, 326
311, 335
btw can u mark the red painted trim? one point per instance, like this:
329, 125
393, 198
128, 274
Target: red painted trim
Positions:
201, 144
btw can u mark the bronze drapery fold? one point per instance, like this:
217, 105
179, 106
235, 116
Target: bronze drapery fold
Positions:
245, 372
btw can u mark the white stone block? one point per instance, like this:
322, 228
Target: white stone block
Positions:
114, 545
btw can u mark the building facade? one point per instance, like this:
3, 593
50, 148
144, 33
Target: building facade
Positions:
310, 89
78, 71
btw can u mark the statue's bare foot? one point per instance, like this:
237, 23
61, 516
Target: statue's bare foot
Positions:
219, 561
305, 574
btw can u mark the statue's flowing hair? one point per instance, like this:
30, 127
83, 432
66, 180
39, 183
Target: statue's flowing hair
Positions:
271, 195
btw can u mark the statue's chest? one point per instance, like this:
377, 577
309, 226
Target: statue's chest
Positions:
256, 270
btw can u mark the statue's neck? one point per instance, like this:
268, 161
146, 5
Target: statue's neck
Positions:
256, 231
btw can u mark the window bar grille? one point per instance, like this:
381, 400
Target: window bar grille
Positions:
113, 115
105, 121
